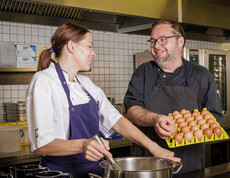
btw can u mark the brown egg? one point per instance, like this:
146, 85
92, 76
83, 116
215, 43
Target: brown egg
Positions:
206, 116
183, 111
185, 129
203, 112
172, 129
202, 121
194, 127
189, 118
213, 125
187, 114
178, 137
203, 126
191, 123
188, 136
195, 113
198, 134
180, 119
175, 113
198, 117
208, 132
217, 131
182, 124
210, 120
177, 116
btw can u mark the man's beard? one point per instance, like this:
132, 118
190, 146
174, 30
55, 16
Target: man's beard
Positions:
170, 56
165, 61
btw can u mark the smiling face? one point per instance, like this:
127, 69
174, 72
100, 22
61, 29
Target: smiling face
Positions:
164, 55
84, 52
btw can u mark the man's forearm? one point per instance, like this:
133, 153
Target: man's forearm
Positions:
141, 116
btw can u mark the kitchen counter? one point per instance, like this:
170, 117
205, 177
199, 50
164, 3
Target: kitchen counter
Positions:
219, 171
25, 156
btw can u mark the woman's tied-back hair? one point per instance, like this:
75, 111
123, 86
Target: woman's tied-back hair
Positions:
60, 38
177, 29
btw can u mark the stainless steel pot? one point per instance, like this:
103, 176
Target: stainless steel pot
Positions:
21, 171
139, 167
49, 174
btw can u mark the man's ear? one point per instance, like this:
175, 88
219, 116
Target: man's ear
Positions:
70, 46
181, 41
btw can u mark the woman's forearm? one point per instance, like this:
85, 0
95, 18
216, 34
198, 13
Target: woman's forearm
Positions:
59, 147
132, 133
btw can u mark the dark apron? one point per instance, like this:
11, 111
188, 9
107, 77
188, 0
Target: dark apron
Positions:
84, 124
164, 100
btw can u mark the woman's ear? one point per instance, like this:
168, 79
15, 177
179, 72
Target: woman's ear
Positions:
70, 46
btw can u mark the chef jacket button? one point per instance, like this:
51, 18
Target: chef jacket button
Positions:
72, 109
164, 76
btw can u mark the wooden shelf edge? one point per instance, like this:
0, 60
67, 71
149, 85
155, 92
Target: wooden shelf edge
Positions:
18, 69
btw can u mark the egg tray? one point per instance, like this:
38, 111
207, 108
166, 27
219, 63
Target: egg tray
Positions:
173, 143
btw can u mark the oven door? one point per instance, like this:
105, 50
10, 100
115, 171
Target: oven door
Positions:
218, 63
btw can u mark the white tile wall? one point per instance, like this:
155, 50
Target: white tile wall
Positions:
112, 67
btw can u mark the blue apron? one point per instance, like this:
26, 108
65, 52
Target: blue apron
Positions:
84, 124
164, 100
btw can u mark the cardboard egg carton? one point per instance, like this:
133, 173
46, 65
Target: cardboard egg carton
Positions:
172, 143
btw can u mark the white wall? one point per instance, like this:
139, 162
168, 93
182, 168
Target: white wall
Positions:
111, 68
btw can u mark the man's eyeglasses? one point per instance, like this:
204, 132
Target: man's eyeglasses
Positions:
162, 40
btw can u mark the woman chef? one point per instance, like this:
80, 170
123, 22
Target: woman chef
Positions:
66, 110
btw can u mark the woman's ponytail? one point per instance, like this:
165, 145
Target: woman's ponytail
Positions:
44, 59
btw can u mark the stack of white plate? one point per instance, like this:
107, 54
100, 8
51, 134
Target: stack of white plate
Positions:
1, 113
10, 112
21, 110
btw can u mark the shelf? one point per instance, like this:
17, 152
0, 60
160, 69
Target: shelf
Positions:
16, 76
18, 69
120, 143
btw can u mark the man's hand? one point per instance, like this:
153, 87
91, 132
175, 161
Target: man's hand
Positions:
164, 126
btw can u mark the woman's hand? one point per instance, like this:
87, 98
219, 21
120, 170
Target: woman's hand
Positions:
94, 151
160, 152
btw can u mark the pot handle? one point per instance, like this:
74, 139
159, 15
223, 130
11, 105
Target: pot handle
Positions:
175, 164
91, 175
67, 175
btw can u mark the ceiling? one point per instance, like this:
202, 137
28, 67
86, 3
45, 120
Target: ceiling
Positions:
53, 14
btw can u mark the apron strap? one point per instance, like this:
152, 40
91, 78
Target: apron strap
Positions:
186, 75
83, 88
64, 83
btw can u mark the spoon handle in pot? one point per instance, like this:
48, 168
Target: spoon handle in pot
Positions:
110, 160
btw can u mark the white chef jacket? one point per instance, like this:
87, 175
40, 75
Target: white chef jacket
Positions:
47, 106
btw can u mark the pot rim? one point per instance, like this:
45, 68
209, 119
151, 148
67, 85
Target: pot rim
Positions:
137, 157
26, 167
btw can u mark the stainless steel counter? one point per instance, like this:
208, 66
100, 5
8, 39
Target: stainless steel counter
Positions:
220, 171
25, 156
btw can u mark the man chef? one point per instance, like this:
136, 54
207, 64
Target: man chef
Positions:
166, 84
